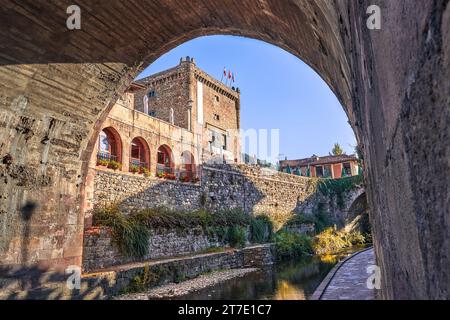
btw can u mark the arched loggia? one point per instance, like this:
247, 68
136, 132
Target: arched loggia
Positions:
187, 166
165, 164
139, 154
109, 145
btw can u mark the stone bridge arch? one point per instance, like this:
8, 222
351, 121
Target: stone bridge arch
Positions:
356, 211
57, 86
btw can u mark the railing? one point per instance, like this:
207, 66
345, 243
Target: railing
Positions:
160, 168
101, 155
137, 163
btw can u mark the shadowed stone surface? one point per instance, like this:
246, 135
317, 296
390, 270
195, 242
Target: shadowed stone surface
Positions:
57, 86
349, 282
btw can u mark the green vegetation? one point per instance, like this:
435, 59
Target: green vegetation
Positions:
261, 229
338, 187
337, 150
292, 245
326, 239
301, 219
134, 168
237, 236
130, 236
334, 186
102, 162
319, 218
332, 241
146, 172
131, 233
111, 164
146, 279
114, 165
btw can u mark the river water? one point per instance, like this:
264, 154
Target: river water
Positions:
293, 280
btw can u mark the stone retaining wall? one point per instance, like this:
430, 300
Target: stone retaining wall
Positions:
100, 252
249, 188
173, 270
134, 192
111, 282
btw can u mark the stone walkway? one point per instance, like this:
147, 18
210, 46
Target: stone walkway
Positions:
349, 281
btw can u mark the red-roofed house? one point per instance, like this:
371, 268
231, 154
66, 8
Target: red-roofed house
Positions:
333, 167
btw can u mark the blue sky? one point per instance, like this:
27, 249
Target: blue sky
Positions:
278, 91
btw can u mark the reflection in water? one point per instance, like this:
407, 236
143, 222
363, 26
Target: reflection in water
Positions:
287, 291
293, 280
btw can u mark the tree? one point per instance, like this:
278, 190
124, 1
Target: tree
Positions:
337, 150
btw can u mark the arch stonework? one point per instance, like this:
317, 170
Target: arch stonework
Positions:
57, 86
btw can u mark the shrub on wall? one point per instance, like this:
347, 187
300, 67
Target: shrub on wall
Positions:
338, 187
237, 236
261, 229
131, 233
127, 232
320, 218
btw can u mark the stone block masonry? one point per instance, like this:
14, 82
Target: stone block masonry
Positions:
248, 188
100, 252
245, 187
101, 285
169, 270
135, 192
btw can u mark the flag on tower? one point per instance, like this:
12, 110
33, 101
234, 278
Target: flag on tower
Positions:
232, 77
228, 79
224, 74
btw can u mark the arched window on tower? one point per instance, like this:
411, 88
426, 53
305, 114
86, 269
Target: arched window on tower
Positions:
171, 116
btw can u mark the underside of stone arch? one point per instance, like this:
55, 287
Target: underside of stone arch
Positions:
57, 86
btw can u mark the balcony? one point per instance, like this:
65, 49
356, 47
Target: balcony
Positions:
162, 169
106, 156
138, 166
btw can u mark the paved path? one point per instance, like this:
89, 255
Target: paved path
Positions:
349, 281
